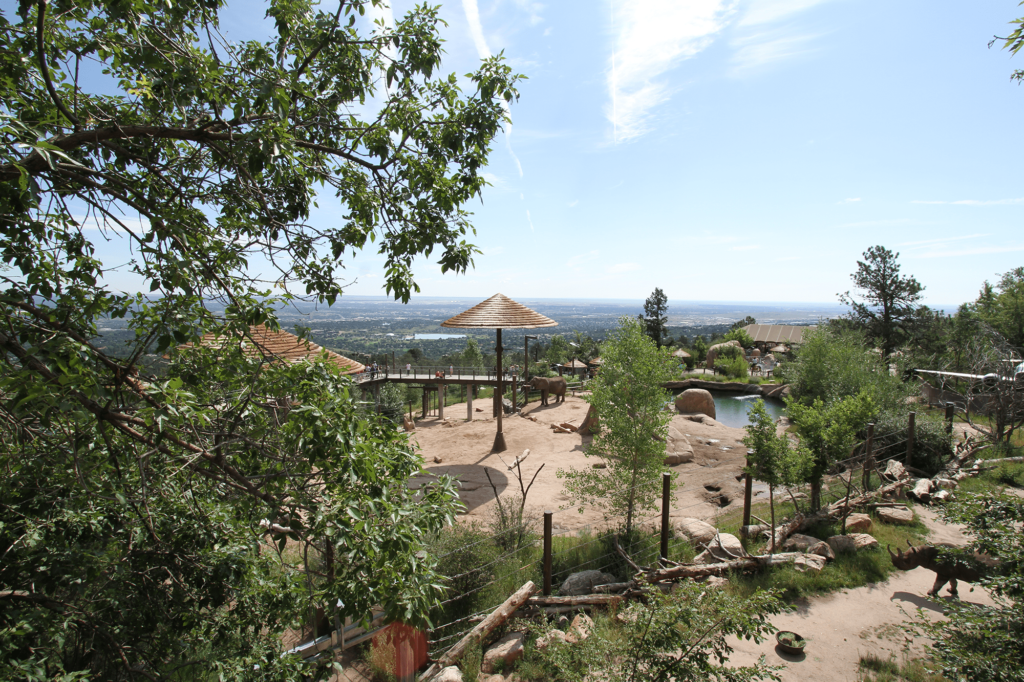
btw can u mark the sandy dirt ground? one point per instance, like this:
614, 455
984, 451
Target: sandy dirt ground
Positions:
464, 451
842, 627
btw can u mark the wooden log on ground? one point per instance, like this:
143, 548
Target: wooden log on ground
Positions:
541, 600
751, 531
1001, 459
496, 618
613, 588
922, 490
783, 531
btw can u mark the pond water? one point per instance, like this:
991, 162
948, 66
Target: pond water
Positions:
732, 408
436, 337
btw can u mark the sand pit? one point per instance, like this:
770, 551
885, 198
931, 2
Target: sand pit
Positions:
464, 450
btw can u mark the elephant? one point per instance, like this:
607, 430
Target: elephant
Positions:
553, 385
947, 569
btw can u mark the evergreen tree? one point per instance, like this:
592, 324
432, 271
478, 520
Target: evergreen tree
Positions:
889, 299
656, 316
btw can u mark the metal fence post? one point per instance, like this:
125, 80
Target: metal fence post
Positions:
910, 436
547, 553
666, 491
869, 459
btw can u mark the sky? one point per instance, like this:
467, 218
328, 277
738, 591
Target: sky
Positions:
734, 150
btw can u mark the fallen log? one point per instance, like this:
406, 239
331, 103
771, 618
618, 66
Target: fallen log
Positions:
783, 531
540, 600
612, 588
705, 570
922, 490
1001, 459
496, 618
751, 531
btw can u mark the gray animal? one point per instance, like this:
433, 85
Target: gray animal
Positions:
553, 385
946, 570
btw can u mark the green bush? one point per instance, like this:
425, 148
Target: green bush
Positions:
735, 368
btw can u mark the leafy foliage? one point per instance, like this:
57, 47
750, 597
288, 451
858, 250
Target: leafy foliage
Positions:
681, 636
135, 512
628, 397
740, 335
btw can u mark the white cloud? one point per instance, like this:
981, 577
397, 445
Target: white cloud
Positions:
850, 201
652, 37
769, 11
476, 31
573, 203
529, 219
746, 247
496, 181
975, 202
762, 49
533, 9
624, 267
580, 259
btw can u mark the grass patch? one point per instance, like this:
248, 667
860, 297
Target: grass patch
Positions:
873, 668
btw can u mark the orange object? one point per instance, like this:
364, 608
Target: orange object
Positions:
409, 645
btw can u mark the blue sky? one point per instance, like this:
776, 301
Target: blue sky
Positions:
741, 150
733, 150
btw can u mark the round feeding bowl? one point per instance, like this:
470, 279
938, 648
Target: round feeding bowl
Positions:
790, 642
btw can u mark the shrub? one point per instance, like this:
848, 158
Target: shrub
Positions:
733, 367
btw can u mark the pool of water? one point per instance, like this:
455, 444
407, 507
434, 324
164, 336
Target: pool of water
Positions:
436, 337
732, 409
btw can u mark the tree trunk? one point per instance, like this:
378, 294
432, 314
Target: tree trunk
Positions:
815, 495
771, 506
592, 599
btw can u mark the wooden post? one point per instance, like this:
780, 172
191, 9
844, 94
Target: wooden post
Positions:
666, 491
426, 402
499, 438
747, 490
469, 403
910, 436
440, 401
547, 553
950, 407
869, 458
515, 396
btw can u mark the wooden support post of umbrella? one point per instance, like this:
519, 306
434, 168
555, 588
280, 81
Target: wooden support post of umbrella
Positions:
499, 312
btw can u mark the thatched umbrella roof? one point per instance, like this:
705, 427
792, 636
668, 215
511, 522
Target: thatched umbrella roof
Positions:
596, 361
575, 364
281, 345
680, 353
499, 312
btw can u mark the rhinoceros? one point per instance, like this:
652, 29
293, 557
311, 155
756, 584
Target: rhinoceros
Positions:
946, 569
553, 385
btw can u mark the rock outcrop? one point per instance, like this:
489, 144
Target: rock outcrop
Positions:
696, 401
508, 649
583, 583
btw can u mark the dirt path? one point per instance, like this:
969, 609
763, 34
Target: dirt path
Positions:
844, 626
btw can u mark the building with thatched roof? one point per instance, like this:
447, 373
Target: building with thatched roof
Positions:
280, 345
773, 334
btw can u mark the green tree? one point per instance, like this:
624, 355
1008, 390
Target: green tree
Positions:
740, 335
133, 509
1002, 306
656, 316
628, 397
471, 356
740, 324
829, 431
558, 350
700, 348
889, 299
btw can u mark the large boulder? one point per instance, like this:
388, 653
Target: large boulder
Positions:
583, 583
697, 531
677, 447
549, 638
852, 542
895, 515
809, 545
449, 674
864, 541
858, 522
580, 628
809, 562
508, 649
723, 547
696, 401
716, 349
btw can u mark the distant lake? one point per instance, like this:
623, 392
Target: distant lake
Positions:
436, 337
